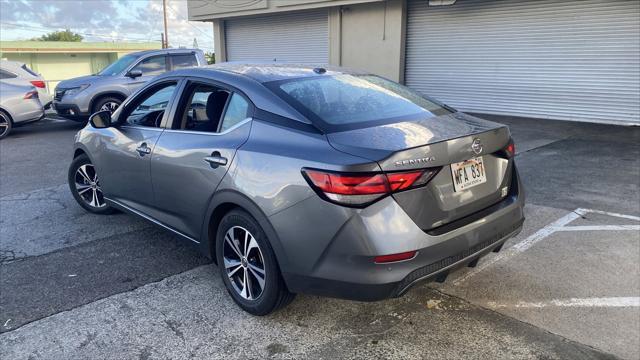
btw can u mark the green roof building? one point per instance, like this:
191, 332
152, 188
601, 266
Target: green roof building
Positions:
61, 60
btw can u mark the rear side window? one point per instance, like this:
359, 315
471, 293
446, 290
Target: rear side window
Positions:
237, 110
210, 108
348, 100
7, 75
154, 65
183, 61
204, 106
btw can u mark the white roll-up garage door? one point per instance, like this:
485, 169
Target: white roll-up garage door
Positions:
301, 37
567, 60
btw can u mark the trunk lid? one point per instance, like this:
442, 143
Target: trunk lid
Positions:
436, 142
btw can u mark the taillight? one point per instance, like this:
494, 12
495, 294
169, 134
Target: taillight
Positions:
38, 83
361, 189
31, 95
510, 149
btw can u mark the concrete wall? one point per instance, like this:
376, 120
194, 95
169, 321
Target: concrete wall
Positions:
367, 36
207, 10
371, 38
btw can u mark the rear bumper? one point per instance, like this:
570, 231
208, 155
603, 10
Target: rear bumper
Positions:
345, 268
29, 115
381, 291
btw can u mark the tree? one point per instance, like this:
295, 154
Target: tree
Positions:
211, 57
66, 35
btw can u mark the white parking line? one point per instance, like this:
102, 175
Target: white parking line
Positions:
573, 302
558, 225
521, 246
600, 228
630, 217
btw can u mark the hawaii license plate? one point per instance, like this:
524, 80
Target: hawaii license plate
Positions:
468, 174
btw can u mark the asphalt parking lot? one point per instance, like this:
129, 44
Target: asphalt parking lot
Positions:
80, 286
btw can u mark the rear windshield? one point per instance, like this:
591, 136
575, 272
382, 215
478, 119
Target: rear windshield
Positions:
345, 101
118, 66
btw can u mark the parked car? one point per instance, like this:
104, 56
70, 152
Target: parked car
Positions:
17, 73
77, 98
19, 105
298, 179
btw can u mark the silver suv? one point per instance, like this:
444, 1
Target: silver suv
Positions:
77, 98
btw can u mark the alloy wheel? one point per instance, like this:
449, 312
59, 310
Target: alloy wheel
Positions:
244, 263
88, 186
111, 106
4, 125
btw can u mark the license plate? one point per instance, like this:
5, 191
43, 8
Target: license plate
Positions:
468, 174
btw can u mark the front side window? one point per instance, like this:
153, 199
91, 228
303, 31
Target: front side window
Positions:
118, 66
183, 61
154, 65
149, 108
237, 110
348, 100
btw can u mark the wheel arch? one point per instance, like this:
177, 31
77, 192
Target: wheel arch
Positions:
80, 149
104, 94
79, 152
225, 201
6, 111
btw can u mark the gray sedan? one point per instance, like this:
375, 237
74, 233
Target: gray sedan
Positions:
19, 105
301, 179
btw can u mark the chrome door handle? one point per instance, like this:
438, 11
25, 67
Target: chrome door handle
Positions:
143, 149
216, 160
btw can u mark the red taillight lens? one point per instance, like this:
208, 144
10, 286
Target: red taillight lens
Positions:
31, 95
510, 150
38, 83
359, 189
403, 181
394, 257
348, 184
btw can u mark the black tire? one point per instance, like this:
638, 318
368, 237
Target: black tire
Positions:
274, 294
106, 100
5, 124
87, 188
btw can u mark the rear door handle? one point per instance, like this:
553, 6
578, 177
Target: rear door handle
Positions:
143, 149
216, 159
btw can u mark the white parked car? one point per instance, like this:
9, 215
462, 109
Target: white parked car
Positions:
17, 73
19, 105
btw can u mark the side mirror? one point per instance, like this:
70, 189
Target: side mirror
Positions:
101, 119
134, 74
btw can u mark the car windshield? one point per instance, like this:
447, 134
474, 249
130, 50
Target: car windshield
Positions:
348, 100
118, 66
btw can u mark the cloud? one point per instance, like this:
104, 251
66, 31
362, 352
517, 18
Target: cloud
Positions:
104, 20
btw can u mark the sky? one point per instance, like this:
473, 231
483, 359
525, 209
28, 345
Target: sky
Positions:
103, 20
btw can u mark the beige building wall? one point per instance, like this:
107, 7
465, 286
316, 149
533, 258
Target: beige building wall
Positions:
371, 37
57, 67
367, 35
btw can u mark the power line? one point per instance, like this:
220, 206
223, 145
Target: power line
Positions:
188, 22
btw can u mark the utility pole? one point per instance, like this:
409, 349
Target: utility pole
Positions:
166, 33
